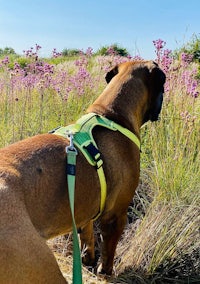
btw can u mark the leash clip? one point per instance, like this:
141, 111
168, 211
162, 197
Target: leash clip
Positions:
71, 147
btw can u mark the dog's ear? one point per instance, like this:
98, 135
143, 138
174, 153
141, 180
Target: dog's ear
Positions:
158, 77
111, 74
155, 84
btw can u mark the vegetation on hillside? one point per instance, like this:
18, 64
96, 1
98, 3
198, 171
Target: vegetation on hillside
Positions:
161, 241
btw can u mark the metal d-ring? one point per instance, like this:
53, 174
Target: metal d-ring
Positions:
71, 147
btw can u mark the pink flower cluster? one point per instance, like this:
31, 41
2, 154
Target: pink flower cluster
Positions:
31, 52
186, 58
55, 53
186, 76
89, 51
5, 61
79, 76
188, 117
111, 51
159, 44
164, 56
190, 82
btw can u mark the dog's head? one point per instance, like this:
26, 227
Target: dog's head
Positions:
153, 79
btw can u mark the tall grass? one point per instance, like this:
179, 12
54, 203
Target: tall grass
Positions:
38, 95
169, 232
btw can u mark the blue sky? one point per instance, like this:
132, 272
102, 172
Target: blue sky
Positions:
133, 24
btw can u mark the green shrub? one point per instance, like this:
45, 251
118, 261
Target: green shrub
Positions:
113, 49
70, 52
7, 51
192, 47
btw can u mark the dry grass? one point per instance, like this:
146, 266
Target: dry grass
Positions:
160, 245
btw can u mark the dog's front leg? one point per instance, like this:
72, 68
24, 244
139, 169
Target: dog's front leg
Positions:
87, 244
111, 232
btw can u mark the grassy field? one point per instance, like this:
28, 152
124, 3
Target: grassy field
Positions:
161, 242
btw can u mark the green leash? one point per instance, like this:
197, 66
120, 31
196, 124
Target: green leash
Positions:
71, 175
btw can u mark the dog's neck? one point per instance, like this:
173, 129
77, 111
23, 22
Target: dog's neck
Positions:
111, 103
111, 114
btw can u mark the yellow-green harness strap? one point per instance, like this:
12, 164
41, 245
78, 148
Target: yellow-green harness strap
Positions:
84, 141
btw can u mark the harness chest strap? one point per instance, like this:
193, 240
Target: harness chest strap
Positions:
84, 141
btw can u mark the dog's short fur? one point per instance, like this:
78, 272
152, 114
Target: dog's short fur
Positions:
34, 203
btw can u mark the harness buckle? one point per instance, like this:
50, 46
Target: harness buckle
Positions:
95, 154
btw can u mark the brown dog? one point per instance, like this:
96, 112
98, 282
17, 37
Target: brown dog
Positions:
34, 201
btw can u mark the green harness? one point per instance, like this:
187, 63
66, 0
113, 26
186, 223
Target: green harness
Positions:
84, 141
80, 135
